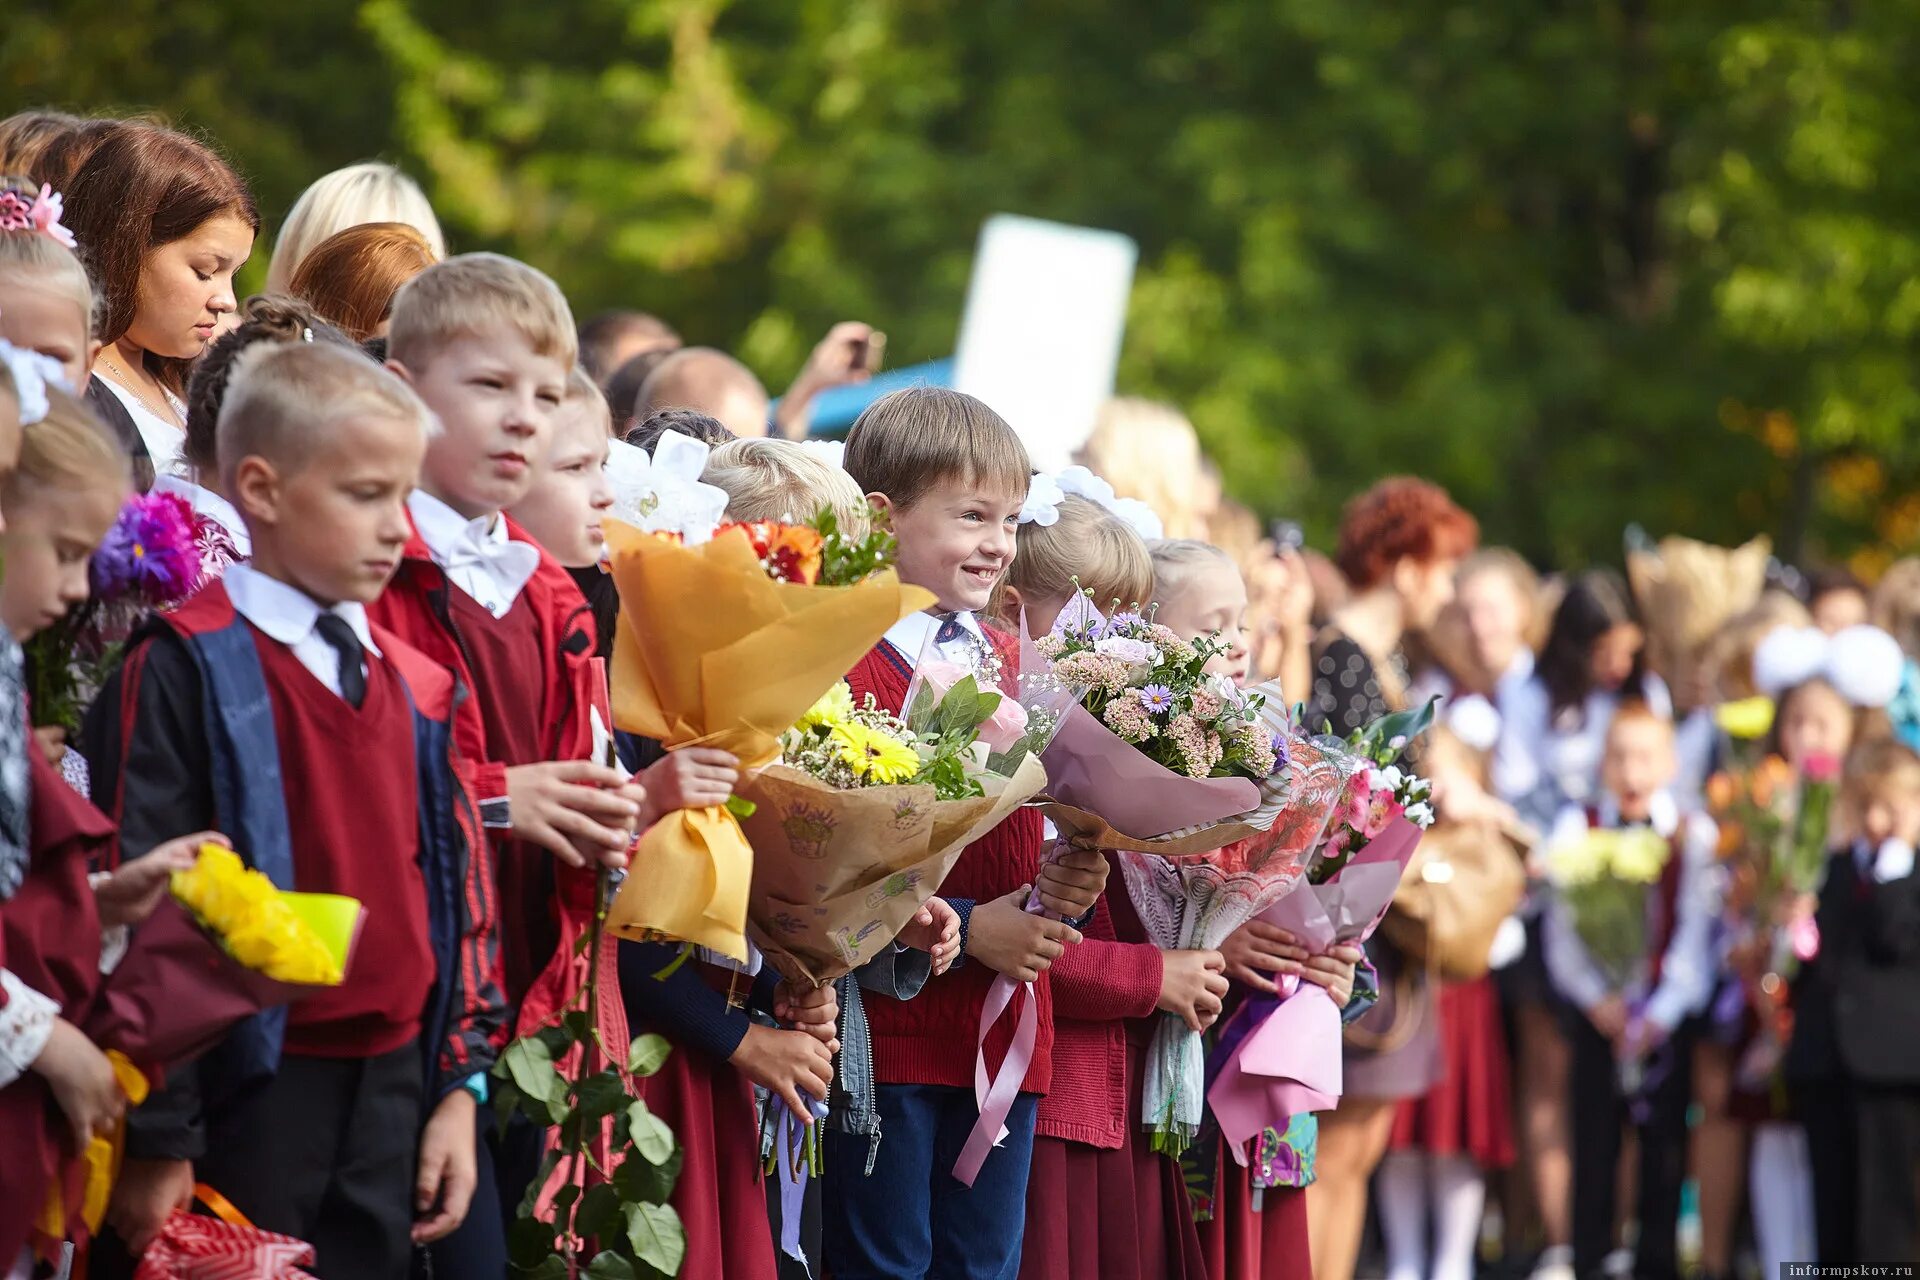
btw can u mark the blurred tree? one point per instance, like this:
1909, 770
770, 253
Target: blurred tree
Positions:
1585, 264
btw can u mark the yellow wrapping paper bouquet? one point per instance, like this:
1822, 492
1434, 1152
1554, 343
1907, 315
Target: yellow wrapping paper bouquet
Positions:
289, 937
710, 651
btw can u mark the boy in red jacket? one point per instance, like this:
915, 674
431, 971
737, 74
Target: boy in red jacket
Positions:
953, 476
489, 343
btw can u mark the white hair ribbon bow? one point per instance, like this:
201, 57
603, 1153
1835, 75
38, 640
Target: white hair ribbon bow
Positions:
32, 374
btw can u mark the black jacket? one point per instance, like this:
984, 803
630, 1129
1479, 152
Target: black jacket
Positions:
1857, 1007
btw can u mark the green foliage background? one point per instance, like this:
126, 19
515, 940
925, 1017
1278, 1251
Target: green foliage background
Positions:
1584, 263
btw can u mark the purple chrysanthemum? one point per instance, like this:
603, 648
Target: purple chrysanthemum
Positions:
1156, 698
150, 554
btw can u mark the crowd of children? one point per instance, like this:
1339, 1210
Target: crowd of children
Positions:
397, 465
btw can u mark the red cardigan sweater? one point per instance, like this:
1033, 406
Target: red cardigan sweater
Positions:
1109, 980
930, 1039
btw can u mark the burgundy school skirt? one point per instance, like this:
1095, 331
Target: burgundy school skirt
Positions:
720, 1199
1242, 1244
1097, 1214
1469, 1112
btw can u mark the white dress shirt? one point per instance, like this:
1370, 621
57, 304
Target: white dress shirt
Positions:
26, 1022
913, 634
477, 555
1893, 860
1686, 968
1545, 760
291, 616
164, 440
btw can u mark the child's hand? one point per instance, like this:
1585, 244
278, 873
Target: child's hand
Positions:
1333, 971
128, 894
1609, 1018
935, 929
1257, 949
690, 778
52, 740
576, 810
1193, 985
1071, 884
145, 1196
1004, 936
787, 1062
82, 1081
446, 1173
814, 1010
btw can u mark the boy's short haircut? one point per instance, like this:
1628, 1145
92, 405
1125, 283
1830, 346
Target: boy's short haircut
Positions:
1632, 711
477, 291
780, 480
285, 400
1087, 549
583, 396
909, 441
1176, 559
1879, 767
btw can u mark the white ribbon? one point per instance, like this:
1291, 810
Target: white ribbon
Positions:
32, 374
1045, 493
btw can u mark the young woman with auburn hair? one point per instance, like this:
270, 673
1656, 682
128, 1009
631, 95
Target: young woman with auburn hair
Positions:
163, 224
350, 277
1400, 545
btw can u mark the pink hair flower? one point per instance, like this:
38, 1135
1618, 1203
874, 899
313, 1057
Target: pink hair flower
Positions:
42, 214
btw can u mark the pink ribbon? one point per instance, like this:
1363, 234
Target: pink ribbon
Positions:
995, 1094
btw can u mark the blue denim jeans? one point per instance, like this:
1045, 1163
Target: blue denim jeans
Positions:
912, 1220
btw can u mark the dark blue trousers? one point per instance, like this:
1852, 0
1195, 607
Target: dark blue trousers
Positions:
911, 1219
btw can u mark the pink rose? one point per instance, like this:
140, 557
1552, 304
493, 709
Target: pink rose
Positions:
1005, 727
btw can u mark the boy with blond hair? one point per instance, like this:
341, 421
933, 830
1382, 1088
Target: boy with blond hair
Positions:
769, 479
232, 713
951, 477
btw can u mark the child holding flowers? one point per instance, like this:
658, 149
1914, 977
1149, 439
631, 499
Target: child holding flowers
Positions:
349, 1120
60, 502
1100, 1202
952, 477
1198, 591
1636, 977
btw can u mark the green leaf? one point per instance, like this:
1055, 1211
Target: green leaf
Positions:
599, 1096
640, 1182
741, 807
647, 1054
650, 1136
529, 1242
557, 1039
551, 1267
599, 1217
657, 1237
610, 1266
530, 1064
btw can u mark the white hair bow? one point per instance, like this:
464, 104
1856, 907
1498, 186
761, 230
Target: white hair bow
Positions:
1863, 664
1081, 482
664, 494
1475, 721
1042, 506
831, 452
32, 374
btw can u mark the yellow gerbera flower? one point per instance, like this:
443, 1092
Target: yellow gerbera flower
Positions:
874, 756
1747, 719
834, 707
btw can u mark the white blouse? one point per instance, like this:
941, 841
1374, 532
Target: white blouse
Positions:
165, 441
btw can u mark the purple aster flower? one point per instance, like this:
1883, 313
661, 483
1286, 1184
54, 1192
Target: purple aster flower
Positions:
151, 552
1157, 698
1281, 755
1125, 623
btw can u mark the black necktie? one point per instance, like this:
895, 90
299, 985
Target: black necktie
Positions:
951, 629
339, 636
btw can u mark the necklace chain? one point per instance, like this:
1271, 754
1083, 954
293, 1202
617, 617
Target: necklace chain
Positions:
169, 411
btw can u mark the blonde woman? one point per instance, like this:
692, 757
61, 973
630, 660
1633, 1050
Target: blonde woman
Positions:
1151, 452
366, 192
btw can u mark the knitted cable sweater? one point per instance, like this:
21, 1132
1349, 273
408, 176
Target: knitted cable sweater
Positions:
930, 1039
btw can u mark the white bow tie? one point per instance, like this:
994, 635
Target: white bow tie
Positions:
506, 564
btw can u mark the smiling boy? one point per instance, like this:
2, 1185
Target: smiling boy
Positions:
952, 477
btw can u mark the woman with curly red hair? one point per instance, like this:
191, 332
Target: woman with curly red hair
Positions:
1400, 543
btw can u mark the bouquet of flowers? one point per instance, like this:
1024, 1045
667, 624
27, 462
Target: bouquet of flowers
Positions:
1773, 840
863, 817
1281, 1055
148, 562
1604, 879
725, 641
227, 946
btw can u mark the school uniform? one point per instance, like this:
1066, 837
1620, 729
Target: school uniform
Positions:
322, 745
50, 962
1677, 980
1101, 1203
481, 598
896, 1210
1856, 1052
